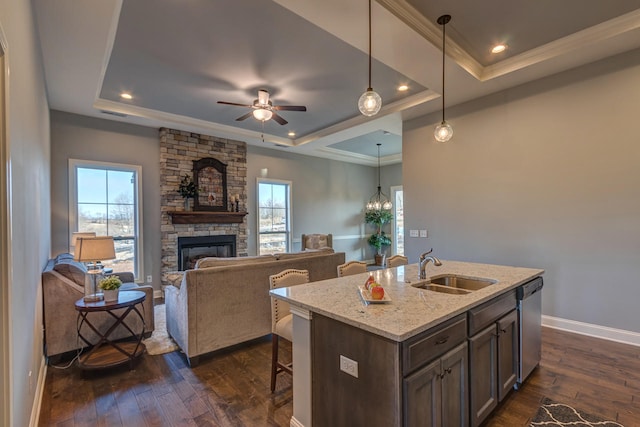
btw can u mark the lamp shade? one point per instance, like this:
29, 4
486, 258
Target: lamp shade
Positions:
92, 249
78, 234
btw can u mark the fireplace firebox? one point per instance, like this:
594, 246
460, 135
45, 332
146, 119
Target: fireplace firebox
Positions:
191, 249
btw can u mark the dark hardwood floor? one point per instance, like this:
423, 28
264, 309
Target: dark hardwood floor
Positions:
231, 388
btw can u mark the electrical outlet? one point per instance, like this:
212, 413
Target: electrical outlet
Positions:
349, 366
30, 381
149, 279
413, 233
423, 233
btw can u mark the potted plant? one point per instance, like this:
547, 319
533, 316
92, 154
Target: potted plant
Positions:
379, 240
111, 286
187, 189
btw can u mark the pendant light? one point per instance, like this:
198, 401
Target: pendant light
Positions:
444, 131
370, 102
379, 201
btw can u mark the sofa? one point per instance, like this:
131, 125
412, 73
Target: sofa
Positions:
225, 301
62, 285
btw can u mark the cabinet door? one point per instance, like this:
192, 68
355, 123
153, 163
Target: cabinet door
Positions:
455, 405
422, 397
483, 362
507, 353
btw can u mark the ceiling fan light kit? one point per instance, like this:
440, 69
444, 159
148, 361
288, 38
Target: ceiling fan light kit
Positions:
370, 102
443, 131
264, 110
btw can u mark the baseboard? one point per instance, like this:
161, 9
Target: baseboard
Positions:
37, 402
596, 331
295, 423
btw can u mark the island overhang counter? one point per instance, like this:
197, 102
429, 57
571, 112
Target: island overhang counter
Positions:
409, 312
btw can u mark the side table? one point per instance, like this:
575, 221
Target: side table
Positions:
106, 353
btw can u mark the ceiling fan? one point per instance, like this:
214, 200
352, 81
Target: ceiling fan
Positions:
263, 108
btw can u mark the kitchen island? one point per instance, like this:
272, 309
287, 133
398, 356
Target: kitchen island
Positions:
365, 364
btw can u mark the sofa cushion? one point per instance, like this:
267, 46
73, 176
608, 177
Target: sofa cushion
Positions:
72, 270
222, 261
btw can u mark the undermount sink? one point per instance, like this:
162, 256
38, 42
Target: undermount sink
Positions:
452, 284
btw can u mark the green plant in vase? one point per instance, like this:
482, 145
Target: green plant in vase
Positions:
379, 240
111, 286
187, 189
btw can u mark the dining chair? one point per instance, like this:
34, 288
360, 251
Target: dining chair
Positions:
397, 260
282, 319
352, 267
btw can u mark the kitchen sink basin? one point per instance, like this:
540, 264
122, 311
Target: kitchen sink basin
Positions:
454, 285
460, 282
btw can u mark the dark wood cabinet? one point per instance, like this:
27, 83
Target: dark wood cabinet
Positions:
507, 354
436, 395
483, 363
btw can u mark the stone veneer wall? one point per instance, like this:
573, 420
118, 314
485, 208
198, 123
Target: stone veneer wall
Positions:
178, 150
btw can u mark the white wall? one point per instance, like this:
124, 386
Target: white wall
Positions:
544, 175
86, 138
28, 141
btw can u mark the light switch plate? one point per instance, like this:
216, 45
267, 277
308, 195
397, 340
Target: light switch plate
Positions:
423, 233
413, 233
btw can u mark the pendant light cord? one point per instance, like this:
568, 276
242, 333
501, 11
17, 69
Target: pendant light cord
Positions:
379, 187
369, 46
444, 26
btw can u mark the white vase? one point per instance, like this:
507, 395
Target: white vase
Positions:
111, 295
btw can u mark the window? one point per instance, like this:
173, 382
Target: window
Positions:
104, 198
398, 220
274, 216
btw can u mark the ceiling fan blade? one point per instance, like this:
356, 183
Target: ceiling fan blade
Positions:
245, 117
290, 108
235, 104
279, 119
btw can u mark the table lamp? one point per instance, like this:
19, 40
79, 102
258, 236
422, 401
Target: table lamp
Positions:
78, 234
92, 250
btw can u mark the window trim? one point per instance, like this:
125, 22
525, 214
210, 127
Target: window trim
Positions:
393, 190
138, 206
289, 210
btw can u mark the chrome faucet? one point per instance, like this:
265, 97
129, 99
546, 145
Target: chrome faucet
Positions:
424, 260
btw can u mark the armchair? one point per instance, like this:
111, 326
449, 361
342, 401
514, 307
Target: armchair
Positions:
316, 241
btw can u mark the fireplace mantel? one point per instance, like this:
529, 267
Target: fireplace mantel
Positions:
206, 217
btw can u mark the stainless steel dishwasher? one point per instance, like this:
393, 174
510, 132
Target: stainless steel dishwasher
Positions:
529, 298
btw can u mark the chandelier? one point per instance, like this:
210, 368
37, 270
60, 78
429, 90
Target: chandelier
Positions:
379, 201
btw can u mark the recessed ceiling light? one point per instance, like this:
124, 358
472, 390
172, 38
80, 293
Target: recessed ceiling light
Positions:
403, 88
499, 48
291, 133
125, 95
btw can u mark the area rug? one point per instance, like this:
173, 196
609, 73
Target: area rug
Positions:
557, 414
160, 342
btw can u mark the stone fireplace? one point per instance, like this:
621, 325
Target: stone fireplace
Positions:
178, 152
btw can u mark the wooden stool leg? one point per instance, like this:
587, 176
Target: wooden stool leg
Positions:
274, 360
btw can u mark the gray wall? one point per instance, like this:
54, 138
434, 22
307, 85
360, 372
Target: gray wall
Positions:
86, 138
328, 197
544, 175
27, 132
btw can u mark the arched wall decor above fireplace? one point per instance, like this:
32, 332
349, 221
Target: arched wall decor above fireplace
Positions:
210, 178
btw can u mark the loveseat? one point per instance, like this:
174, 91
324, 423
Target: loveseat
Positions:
225, 301
62, 285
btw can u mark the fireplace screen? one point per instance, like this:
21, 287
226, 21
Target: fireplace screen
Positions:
191, 249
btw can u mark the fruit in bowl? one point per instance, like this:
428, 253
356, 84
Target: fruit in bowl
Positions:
377, 291
369, 281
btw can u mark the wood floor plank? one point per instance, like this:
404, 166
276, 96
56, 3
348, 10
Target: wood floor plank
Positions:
231, 388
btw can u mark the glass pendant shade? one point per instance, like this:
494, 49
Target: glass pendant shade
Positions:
370, 103
443, 132
262, 114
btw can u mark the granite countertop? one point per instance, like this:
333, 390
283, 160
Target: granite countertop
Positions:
411, 310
